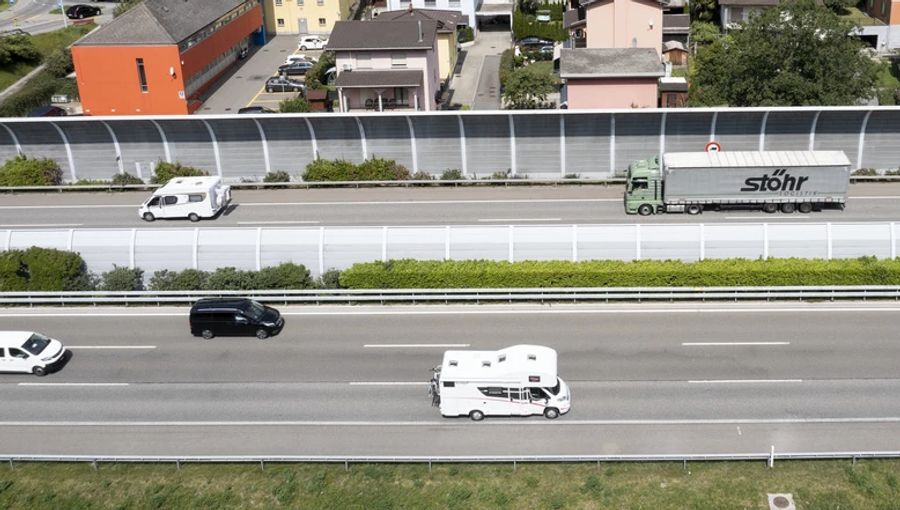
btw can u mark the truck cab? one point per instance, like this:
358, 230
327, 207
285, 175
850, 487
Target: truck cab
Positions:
644, 187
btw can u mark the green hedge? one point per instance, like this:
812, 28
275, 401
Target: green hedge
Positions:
525, 25
282, 276
43, 269
604, 273
375, 169
22, 171
166, 171
507, 65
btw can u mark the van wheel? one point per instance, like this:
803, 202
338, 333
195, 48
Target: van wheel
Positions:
805, 207
476, 415
645, 210
787, 208
551, 413
148, 216
770, 208
194, 217
39, 371
694, 209
207, 334
262, 334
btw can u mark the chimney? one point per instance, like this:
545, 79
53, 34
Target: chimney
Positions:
410, 8
421, 34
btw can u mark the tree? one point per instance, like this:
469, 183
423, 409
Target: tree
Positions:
294, 105
703, 32
22, 171
124, 6
704, 10
527, 88
796, 54
315, 76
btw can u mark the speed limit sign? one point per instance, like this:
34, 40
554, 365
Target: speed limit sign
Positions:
713, 147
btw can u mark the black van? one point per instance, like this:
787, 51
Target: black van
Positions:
234, 317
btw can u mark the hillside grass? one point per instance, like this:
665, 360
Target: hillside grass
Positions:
871, 484
45, 43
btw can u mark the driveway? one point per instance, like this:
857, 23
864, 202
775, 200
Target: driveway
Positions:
478, 84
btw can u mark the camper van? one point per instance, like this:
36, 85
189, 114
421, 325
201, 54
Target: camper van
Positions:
29, 352
517, 381
187, 197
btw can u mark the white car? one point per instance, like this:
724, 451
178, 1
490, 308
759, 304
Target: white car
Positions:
29, 352
312, 42
299, 58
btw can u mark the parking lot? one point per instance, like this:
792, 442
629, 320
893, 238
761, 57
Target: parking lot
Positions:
245, 84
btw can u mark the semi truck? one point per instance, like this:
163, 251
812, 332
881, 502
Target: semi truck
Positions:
689, 182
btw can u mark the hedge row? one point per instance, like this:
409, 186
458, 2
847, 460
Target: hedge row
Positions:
42, 269
606, 273
375, 169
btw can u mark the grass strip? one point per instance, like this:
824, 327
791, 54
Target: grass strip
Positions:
871, 484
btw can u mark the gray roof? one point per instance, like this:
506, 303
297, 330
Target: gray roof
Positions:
159, 22
447, 20
676, 23
610, 63
368, 79
386, 35
570, 19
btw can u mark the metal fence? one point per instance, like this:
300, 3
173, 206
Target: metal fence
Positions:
552, 143
323, 248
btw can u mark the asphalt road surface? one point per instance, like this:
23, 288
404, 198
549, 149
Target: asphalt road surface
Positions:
416, 206
646, 379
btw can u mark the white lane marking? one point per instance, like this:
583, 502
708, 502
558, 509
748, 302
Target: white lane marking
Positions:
744, 381
70, 384
385, 202
512, 220
874, 197
41, 225
73, 206
85, 314
451, 423
769, 218
111, 347
387, 383
285, 222
400, 346
739, 431
704, 344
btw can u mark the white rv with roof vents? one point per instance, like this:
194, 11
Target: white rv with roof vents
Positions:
187, 197
517, 381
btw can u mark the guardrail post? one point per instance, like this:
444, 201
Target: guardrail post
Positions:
512, 145
612, 144
262, 465
514, 465
94, 464
562, 146
178, 464
429, 466
71, 238
346, 465
772, 456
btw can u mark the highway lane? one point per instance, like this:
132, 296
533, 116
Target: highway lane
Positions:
417, 206
645, 379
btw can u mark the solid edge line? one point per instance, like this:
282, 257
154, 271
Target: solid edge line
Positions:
744, 381
413, 345
387, 383
704, 344
71, 384
110, 347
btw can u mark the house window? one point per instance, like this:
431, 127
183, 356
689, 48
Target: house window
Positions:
398, 60
402, 96
281, 22
320, 3
322, 22
884, 7
278, 3
299, 3
142, 74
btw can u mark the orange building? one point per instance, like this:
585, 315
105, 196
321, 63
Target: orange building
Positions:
160, 56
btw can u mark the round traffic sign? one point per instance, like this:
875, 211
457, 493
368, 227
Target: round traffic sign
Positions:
713, 147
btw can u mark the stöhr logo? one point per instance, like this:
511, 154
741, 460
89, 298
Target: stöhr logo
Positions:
780, 180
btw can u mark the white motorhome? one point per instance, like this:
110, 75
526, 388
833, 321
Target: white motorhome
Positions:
187, 197
520, 380
29, 352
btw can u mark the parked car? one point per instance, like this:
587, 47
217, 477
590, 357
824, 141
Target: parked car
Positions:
47, 111
212, 317
283, 84
29, 352
312, 42
256, 109
299, 58
81, 11
533, 42
295, 68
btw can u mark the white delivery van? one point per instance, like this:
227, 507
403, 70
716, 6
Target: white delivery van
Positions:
29, 352
187, 197
517, 381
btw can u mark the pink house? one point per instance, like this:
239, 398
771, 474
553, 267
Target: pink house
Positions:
616, 24
610, 77
386, 65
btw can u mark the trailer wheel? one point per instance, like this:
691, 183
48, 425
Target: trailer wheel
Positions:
645, 210
476, 415
551, 413
770, 208
788, 208
805, 207
694, 209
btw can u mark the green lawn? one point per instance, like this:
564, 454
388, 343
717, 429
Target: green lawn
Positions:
857, 16
4, 4
46, 44
715, 485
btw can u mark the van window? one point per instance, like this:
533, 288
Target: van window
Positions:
36, 344
195, 198
2, 352
493, 391
153, 202
171, 200
16, 353
254, 310
538, 393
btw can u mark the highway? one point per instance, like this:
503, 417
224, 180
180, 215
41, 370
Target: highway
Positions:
415, 206
645, 379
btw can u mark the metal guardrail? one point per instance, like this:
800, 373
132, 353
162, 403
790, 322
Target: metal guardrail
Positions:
417, 296
375, 184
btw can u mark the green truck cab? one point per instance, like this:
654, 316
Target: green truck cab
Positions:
644, 187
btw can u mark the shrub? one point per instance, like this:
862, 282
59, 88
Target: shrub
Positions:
865, 172
43, 269
294, 105
90, 182
377, 169
452, 174
507, 65
122, 278
230, 278
466, 34
895, 171
125, 179
36, 93
329, 170
59, 63
315, 77
330, 279
277, 176
18, 48
374, 169
524, 25
166, 171
22, 171
188, 279
283, 276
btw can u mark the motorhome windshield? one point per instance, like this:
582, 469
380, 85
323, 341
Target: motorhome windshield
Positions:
36, 344
554, 390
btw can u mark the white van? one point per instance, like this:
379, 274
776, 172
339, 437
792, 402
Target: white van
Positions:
517, 381
187, 197
29, 352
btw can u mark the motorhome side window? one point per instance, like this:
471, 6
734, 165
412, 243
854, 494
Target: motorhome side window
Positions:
170, 200
493, 391
153, 201
537, 393
195, 198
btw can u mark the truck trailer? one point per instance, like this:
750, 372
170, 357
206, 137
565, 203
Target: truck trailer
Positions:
774, 180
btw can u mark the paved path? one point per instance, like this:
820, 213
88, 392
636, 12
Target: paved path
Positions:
480, 71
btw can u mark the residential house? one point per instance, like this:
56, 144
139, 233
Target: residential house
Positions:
616, 24
447, 22
305, 16
610, 77
884, 31
160, 56
386, 65
676, 27
467, 8
734, 12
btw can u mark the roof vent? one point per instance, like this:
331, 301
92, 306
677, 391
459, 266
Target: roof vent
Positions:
485, 363
532, 357
501, 358
453, 363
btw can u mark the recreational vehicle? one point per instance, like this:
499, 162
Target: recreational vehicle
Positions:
517, 381
187, 197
